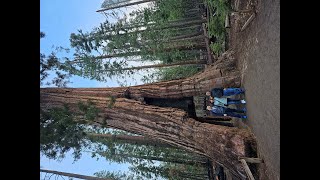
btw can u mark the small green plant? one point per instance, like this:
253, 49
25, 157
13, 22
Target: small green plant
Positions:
60, 133
112, 101
217, 48
89, 110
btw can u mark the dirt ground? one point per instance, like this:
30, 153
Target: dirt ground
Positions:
258, 53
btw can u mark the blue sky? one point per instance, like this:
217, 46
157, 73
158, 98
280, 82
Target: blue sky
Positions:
84, 166
58, 19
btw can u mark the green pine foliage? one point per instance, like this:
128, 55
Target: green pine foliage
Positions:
52, 63
89, 111
171, 73
142, 164
117, 175
219, 9
60, 133
150, 34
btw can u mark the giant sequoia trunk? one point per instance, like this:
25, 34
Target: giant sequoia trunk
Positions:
173, 126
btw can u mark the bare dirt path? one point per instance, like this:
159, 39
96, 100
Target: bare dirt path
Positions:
258, 53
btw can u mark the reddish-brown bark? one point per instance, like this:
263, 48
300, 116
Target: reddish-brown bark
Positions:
173, 126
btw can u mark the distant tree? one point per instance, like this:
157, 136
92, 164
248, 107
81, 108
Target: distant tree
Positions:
117, 175
72, 175
59, 133
51, 64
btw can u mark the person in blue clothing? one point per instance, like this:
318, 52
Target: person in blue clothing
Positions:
219, 92
224, 102
222, 111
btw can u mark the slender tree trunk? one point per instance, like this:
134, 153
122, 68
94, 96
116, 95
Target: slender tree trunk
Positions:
182, 23
186, 36
178, 28
110, 34
137, 53
73, 175
164, 159
221, 144
166, 65
199, 38
106, 4
185, 20
182, 29
135, 60
137, 140
124, 5
151, 46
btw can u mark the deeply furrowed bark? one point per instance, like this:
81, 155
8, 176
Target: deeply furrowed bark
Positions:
173, 126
